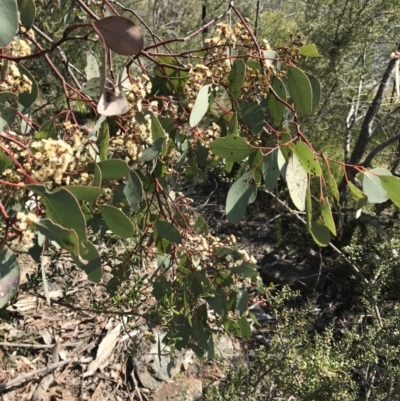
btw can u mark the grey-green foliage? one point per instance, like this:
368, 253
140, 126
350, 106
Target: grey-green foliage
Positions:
353, 358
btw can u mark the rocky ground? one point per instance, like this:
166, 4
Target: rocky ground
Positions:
73, 351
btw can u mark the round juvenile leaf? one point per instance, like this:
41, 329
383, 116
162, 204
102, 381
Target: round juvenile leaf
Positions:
253, 117
232, 147
117, 221
297, 181
300, 91
113, 169
241, 193
26, 99
372, 185
275, 106
27, 12
9, 275
391, 185
8, 21
270, 170
200, 106
307, 159
320, 233
236, 78
121, 35
168, 231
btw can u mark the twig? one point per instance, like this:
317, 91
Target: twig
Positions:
136, 385
38, 346
379, 148
28, 376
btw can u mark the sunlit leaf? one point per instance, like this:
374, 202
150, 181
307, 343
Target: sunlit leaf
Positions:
297, 180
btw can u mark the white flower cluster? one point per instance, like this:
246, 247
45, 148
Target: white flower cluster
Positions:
51, 158
13, 80
24, 241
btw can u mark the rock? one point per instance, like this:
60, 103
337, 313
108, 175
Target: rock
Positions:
188, 389
154, 369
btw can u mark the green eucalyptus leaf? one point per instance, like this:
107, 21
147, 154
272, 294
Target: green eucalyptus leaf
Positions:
168, 231
241, 193
83, 193
9, 275
270, 169
236, 78
233, 126
8, 21
332, 185
133, 191
326, 216
391, 185
307, 159
92, 87
372, 185
320, 232
275, 106
253, 117
201, 105
297, 182
62, 208
113, 169
316, 92
309, 50
157, 132
242, 302
233, 148
90, 263
300, 91
27, 13
92, 68
355, 191
152, 153
245, 329
47, 130
117, 221
248, 270
65, 237
103, 140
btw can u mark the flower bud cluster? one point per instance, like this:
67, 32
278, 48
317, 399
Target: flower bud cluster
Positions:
24, 240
